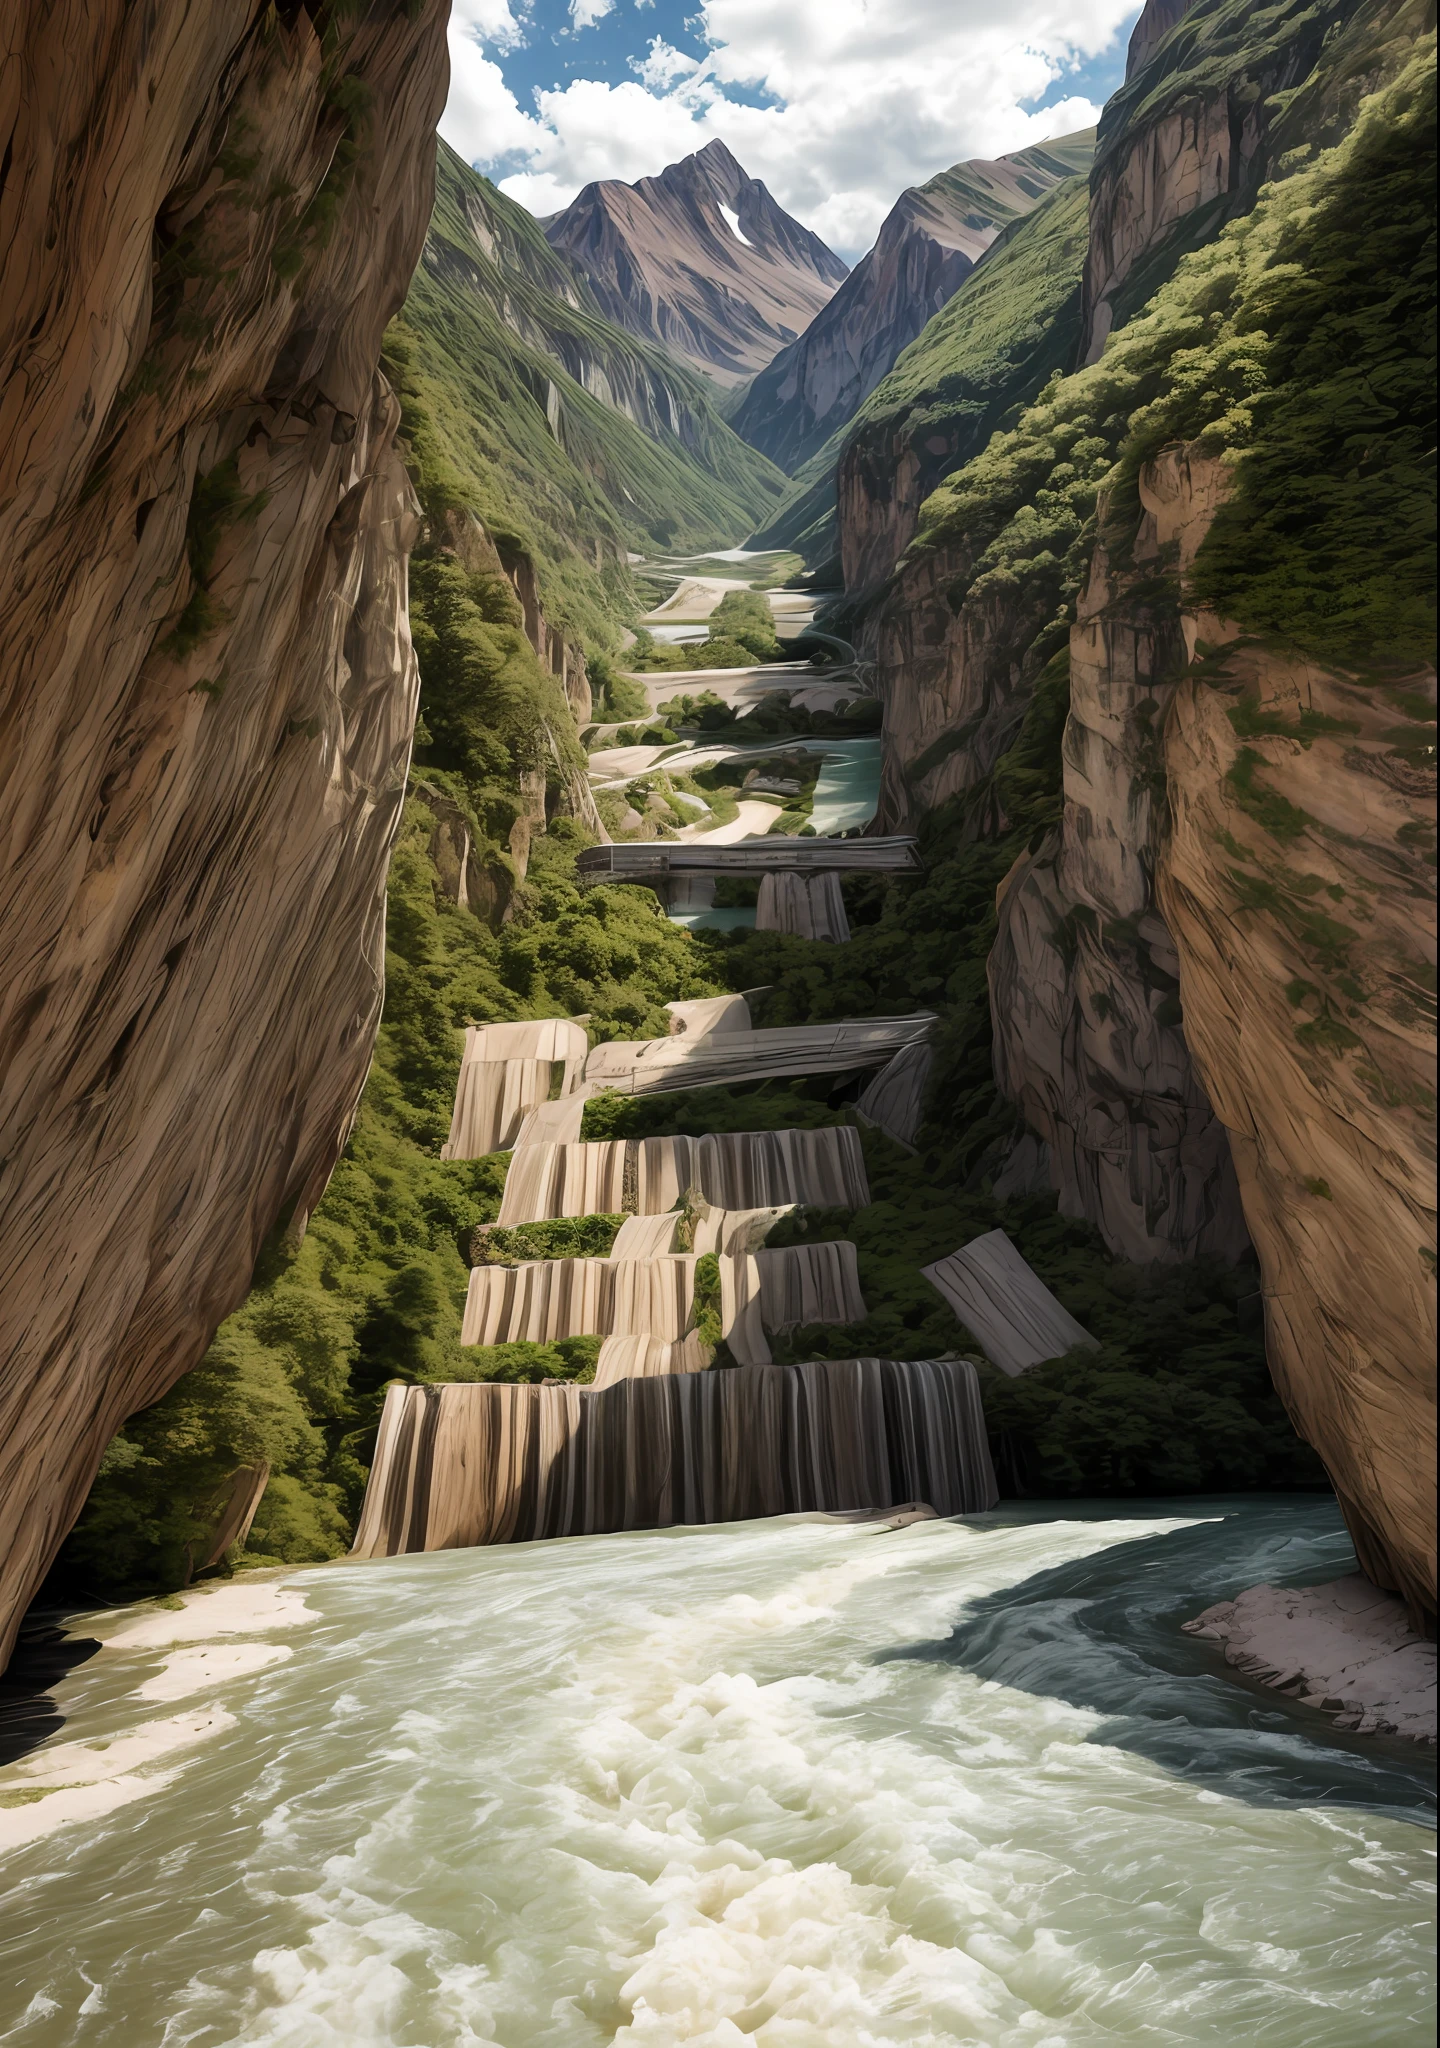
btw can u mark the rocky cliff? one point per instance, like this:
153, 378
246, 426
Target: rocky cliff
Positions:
700, 259
206, 684
1084, 976
1227, 942
1298, 883
928, 244
1213, 104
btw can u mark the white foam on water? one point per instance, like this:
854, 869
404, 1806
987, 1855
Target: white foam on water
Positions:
671, 1789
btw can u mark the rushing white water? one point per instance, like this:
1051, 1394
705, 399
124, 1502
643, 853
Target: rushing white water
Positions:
791, 1783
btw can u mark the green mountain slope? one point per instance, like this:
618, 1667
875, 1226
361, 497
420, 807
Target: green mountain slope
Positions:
929, 243
1011, 325
580, 441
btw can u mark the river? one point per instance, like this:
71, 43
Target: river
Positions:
794, 1783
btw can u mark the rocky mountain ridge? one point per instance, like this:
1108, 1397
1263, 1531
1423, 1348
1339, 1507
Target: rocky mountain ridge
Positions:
700, 259
928, 244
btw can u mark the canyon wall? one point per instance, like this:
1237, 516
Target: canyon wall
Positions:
954, 680
1217, 99
1084, 978
206, 682
1298, 883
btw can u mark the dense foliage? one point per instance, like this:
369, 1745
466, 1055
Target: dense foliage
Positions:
1299, 346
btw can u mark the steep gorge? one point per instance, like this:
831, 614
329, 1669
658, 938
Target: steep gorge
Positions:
1053, 566
1298, 881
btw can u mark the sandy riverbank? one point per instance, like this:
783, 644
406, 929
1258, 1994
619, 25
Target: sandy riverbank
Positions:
160, 1655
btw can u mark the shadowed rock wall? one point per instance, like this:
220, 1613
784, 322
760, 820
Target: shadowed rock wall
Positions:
1084, 978
206, 682
1298, 883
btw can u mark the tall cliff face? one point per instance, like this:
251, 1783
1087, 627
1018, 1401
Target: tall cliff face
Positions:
1084, 976
955, 680
206, 684
928, 244
700, 259
1213, 104
1299, 885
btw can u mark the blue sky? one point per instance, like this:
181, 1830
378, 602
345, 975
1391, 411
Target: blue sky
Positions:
837, 104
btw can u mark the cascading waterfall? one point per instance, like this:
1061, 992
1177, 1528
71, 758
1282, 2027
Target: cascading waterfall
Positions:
494, 1463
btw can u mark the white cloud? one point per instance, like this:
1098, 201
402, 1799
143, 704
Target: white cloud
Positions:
585, 13
489, 21
663, 66
867, 100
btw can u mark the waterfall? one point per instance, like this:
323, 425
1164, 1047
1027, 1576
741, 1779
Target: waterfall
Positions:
495, 1463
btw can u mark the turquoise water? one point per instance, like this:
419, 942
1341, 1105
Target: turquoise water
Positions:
848, 789
792, 1784
742, 919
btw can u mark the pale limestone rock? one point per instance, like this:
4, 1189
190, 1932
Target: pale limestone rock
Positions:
1307, 964
1345, 1647
202, 747
1084, 979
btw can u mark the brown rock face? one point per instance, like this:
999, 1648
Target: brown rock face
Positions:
1297, 888
1084, 978
954, 684
663, 260
1207, 113
928, 244
206, 682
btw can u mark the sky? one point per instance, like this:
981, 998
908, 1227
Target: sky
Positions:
837, 105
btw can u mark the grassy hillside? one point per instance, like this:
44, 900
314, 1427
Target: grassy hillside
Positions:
1300, 346
575, 438
1012, 323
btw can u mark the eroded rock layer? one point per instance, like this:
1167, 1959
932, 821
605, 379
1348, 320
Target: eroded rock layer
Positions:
1084, 979
1298, 884
206, 682
461, 1465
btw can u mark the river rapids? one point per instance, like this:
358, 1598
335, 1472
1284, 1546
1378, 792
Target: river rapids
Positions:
795, 1784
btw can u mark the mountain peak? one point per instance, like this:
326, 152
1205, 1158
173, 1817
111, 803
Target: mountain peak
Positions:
928, 244
716, 156
701, 259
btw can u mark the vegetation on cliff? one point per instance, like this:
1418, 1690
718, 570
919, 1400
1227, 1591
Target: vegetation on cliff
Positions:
1012, 324
1300, 346
1296, 345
